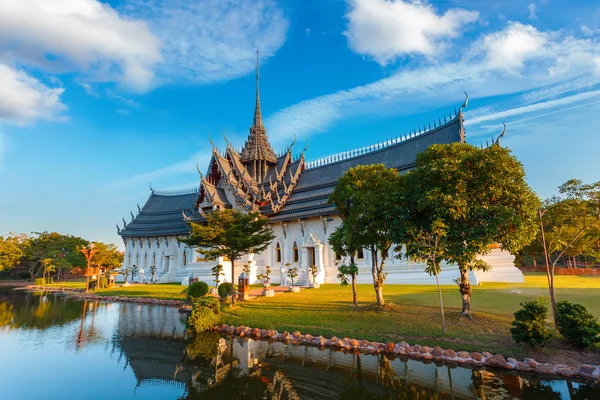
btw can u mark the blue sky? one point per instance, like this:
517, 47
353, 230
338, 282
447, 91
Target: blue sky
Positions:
100, 99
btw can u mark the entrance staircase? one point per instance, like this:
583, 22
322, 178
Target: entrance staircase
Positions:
302, 278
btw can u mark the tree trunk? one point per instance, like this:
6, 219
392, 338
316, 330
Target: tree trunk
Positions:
549, 271
232, 283
354, 299
437, 279
377, 282
465, 291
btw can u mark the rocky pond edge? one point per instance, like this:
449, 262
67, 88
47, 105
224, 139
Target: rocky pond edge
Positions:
401, 349
417, 352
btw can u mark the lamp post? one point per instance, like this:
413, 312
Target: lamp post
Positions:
88, 253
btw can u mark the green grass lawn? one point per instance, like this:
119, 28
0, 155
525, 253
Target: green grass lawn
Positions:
166, 291
414, 315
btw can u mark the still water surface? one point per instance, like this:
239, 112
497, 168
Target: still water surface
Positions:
55, 348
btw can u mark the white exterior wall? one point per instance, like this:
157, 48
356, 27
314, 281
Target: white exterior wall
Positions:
308, 234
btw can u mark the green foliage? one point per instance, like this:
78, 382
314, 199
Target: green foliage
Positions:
265, 277
196, 290
577, 325
364, 198
225, 290
346, 271
247, 268
479, 195
209, 302
230, 233
529, 326
63, 250
126, 271
106, 256
134, 271
202, 318
292, 273
11, 250
217, 272
42, 281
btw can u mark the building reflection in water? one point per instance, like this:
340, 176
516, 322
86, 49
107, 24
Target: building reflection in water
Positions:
152, 340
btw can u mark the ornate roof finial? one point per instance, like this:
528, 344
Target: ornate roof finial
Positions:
501, 135
152, 190
465, 103
226, 141
211, 142
257, 113
198, 169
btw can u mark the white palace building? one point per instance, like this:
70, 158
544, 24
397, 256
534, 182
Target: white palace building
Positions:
293, 193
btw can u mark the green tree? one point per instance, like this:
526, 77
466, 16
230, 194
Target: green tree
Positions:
11, 250
428, 245
564, 223
217, 272
231, 234
364, 198
152, 273
62, 249
107, 256
482, 198
344, 247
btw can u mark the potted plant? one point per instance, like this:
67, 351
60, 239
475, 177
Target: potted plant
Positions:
292, 273
314, 270
217, 272
265, 279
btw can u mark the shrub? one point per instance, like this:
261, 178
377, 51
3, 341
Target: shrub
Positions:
577, 325
40, 281
224, 290
210, 302
529, 325
202, 319
197, 289
205, 346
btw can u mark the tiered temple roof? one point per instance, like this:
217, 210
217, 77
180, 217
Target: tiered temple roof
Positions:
280, 187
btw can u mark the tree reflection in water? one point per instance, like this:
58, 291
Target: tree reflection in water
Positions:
39, 310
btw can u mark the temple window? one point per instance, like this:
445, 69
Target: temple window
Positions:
184, 257
278, 253
360, 255
296, 253
154, 259
145, 260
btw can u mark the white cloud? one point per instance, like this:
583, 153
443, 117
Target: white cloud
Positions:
84, 36
532, 8
510, 48
386, 30
184, 167
212, 40
556, 65
24, 99
534, 107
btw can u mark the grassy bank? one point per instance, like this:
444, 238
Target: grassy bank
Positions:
162, 291
413, 314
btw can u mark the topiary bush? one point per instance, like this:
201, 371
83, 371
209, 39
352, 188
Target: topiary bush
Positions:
529, 326
196, 290
224, 290
577, 325
202, 318
210, 302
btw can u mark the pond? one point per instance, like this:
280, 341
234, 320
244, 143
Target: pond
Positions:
53, 347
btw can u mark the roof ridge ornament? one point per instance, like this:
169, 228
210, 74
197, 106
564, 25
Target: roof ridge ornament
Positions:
152, 190
465, 103
497, 143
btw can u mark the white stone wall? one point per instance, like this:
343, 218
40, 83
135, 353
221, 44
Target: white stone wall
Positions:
311, 237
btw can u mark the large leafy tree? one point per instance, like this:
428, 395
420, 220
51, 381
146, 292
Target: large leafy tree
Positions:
231, 234
568, 224
11, 250
107, 256
61, 249
364, 198
479, 195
